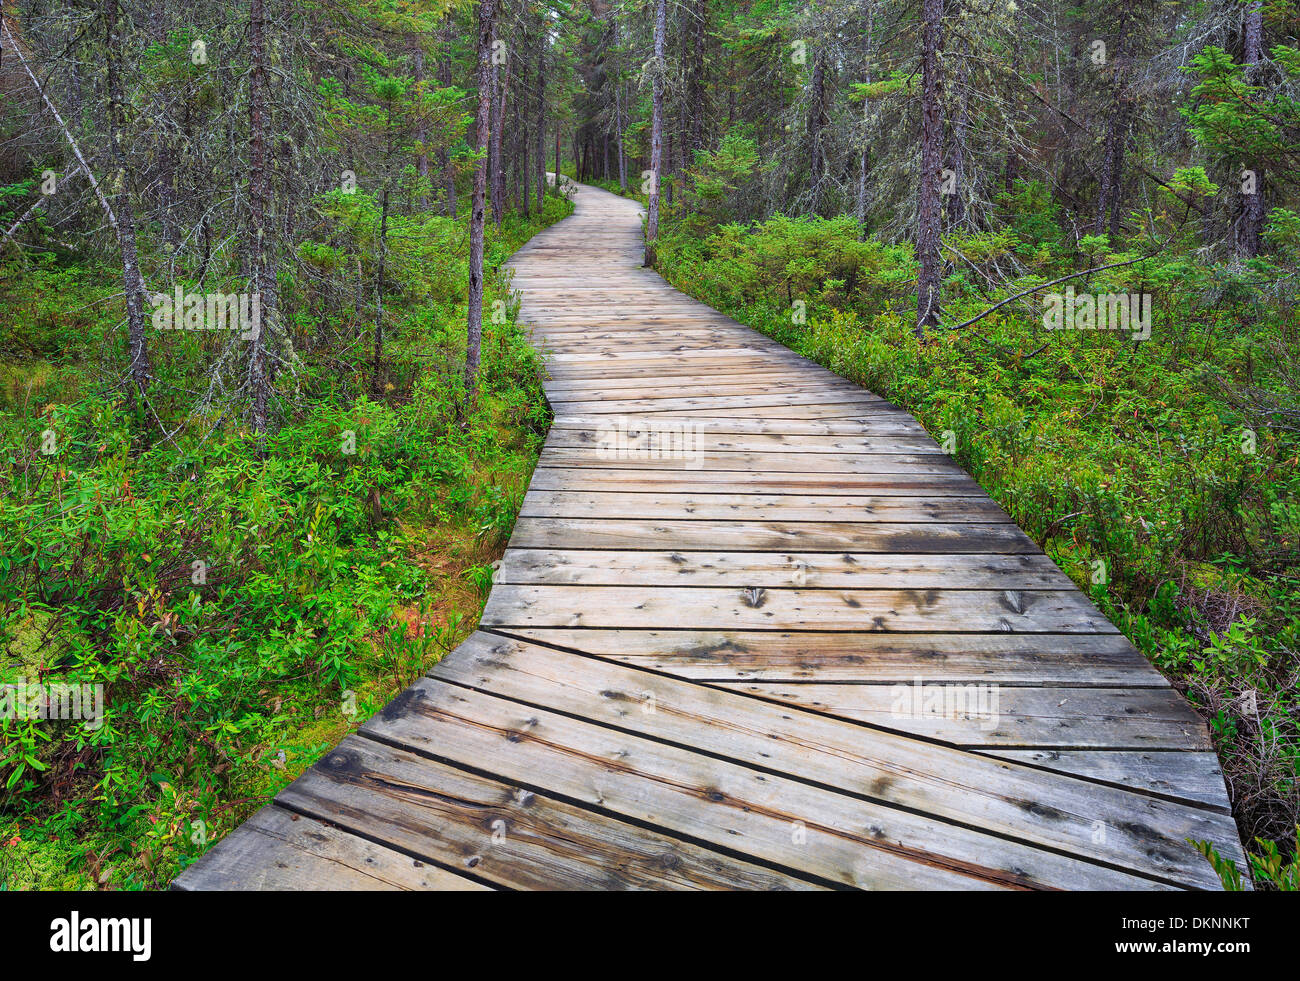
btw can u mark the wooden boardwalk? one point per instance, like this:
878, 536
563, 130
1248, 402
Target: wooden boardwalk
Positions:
753, 630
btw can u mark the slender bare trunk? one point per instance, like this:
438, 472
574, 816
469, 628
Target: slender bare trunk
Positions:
487, 13
541, 124
444, 156
496, 124
618, 138
422, 154
1252, 204
864, 152
695, 82
618, 105
166, 163
956, 206
816, 122
377, 359
656, 134
262, 261
287, 169
521, 121
1112, 170
132, 280
930, 275
669, 168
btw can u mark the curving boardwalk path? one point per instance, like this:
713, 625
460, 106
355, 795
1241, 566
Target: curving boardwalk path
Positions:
753, 630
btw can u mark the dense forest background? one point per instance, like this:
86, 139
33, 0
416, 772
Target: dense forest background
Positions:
267, 418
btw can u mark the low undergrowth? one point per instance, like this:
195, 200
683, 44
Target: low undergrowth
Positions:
239, 607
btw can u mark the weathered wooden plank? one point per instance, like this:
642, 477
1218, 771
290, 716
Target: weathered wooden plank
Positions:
651, 307
502, 833
861, 405
643, 364
828, 411
603, 329
278, 850
791, 824
989, 715
760, 507
649, 339
704, 338
767, 536
710, 608
970, 790
1178, 775
812, 570
623, 435
1040, 659
875, 425
688, 362
670, 389
753, 374
699, 343
655, 357
783, 462
717, 481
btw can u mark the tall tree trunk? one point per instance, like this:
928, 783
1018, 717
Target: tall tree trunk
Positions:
132, 280
349, 143
816, 122
1117, 185
487, 13
497, 124
76, 99
521, 120
929, 278
422, 153
864, 152
541, 124
668, 167
288, 226
262, 260
656, 134
1251, 225
618, 119
494, 127
165, 178
677, 161
1112, 169
618, 102
519, 132
379, 293
444, 155
956, 206
695, 82
864, 168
